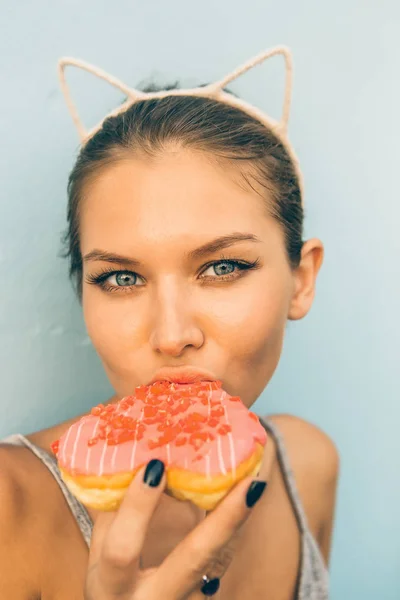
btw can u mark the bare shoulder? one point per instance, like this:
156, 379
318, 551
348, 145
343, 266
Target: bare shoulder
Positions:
14, 499
315, 462
311, 450
18, 576
42, 551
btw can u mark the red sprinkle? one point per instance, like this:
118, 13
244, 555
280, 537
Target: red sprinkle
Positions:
201, 436
129, 422
141, 392
224, 429
164, 425
215, 385
192, 427
55, 446
117, 421
150, 411
125, 403
160, 387
218, 411
181, 441
197, 417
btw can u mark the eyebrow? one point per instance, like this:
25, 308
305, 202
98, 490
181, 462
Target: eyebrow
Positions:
219, 243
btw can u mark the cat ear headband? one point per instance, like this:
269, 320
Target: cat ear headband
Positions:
212, 90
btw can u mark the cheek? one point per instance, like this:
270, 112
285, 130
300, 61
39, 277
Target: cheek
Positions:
251, 331
112, 327
253, 314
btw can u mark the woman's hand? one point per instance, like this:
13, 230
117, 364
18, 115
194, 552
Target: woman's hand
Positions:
113, 572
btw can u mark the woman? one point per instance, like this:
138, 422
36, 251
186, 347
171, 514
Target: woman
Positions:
185, 225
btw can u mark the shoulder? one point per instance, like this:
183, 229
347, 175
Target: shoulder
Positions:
310, 449
17, 575
40, 542
13, 500
315, 461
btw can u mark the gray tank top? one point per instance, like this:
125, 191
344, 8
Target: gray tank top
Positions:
313, 575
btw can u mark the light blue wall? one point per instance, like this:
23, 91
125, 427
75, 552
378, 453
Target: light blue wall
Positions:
340, 365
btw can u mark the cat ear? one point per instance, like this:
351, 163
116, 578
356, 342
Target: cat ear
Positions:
257, 60
132, 94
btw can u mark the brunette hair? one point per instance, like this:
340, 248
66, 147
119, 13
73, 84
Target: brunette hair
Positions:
225, 132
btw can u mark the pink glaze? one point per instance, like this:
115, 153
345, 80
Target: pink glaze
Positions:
217, 456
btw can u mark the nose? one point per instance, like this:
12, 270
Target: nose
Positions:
174, 327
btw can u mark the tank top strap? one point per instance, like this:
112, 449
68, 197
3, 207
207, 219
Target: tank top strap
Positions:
287, 473
80, 513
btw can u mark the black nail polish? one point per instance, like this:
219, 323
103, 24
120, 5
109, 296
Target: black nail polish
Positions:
254, 492
154, 472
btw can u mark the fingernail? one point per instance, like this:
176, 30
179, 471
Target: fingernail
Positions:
254, 492
153, 473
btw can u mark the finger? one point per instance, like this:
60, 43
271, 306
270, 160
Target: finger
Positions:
123, 540
100, 528
215, 570
182, 571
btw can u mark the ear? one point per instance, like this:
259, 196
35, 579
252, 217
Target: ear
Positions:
257, 60
132, 94
305, 277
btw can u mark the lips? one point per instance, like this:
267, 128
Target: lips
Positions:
182, 375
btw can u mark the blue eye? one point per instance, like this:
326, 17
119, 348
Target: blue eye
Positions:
124, 279
223, 268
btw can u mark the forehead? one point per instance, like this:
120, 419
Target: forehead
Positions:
180, 194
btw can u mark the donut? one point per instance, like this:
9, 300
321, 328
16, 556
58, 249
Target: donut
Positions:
207, 439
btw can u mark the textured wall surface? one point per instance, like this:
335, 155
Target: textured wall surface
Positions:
339, 366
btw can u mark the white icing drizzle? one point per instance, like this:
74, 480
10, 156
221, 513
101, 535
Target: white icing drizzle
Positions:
220, 457
89, 451
64, 457
231, 444
103, 454
132, 464
219, 450
113, 456
124, 413
207, 457
74, 449
208, 470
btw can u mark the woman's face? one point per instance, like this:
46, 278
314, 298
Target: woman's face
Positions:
202, 279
